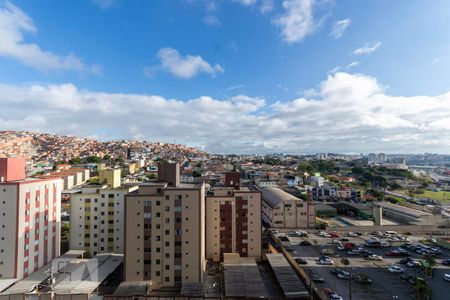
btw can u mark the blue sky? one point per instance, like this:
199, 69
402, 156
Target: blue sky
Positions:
250, 59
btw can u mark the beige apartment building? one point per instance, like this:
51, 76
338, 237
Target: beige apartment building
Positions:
233, 222
97, 218
283, 210
30, 220
165, 231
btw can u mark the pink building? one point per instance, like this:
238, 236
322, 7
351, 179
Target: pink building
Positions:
30, 212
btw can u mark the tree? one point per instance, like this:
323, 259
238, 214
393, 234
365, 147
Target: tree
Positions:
345, 261
107, 157
75, 161
151, 176
93, 160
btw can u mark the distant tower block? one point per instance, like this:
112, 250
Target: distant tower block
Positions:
378, 215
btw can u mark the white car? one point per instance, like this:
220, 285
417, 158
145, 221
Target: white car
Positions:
447, 277
413, 263
352, 252
326, 261
375, 257
340, 247
352, 234
395, 269
335, 297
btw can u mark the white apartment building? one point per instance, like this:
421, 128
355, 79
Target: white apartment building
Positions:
30, 212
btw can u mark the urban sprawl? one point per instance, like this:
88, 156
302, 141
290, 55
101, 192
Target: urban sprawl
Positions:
85, 219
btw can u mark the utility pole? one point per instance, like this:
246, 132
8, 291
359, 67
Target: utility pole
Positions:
350, 288
310, 285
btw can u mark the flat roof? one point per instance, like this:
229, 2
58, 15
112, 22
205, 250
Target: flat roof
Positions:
132, 288
242, 277
87, 276
25, 285
404, 210
6, 283
290, 283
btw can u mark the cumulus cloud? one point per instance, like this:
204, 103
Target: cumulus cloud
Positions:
344, 113
14, 23
339, 27
185, 67
367, 48
297, 21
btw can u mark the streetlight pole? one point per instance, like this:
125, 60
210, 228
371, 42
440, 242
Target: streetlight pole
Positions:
310, 285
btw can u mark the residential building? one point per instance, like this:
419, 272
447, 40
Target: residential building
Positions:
97, 218
30, 211
165, 231
283, 210
111, 177
233, 222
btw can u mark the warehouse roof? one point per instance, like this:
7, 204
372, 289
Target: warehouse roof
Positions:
274, 196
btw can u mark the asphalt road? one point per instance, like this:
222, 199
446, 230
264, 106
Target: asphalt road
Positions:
385, 284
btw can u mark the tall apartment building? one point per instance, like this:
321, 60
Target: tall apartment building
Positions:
233, 222
97, 216
30, 211
165, 231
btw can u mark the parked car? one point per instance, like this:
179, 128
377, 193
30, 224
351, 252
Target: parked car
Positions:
363, 279
344, 276
305, 243
336, 271
447, 277
352, 234
446, 262
300, 261
317, 278
375, 257
326, 262
335, 297
395, 269
406, 260
328, 291
406, 276
352, 252
413, 263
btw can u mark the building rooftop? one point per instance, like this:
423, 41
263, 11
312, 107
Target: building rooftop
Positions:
242, 277
290, 283
403, 210
27, 284
274, 196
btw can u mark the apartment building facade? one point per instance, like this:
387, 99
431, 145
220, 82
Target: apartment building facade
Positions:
97, 218
30, 221
164, 231
233, 223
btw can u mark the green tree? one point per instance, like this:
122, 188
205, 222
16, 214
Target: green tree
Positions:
75, 161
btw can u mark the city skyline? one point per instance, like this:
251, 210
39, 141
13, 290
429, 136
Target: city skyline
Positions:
291, 76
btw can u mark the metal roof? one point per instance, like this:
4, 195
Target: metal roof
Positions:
403, 210
242, 277
87, 276
25, 285
290, 283
274, 196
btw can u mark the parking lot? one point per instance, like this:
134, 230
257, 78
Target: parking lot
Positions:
385, 285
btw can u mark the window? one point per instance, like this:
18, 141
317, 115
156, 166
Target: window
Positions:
158, 261
158, 203
167, 208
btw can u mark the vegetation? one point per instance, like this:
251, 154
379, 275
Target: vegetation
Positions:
152, 176
322, 166
345, 261
421, 193
65, 231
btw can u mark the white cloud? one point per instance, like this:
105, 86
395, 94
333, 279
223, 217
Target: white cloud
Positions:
184, 67
352, 64
105, 4
334, 70
339, 27
344, 113
211, 20
297, 21
13, 24
367, 48
266, 6
246, 2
